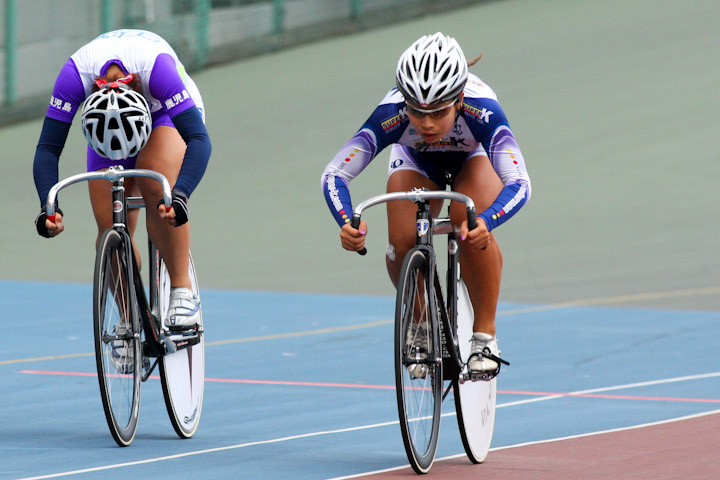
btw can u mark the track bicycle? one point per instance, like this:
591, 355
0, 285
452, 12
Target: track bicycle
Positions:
130, 339
432, 340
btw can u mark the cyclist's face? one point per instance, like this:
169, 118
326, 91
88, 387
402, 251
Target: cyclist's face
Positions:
435, 121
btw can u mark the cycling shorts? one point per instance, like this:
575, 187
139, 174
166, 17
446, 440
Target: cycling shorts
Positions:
433, 165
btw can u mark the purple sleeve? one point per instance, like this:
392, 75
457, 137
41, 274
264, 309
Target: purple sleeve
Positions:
67, 95
166, 85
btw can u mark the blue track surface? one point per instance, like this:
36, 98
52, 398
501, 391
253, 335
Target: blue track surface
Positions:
271, 409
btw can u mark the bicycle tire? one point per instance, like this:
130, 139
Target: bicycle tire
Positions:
118, 364
182, 373
474, 401
419, 392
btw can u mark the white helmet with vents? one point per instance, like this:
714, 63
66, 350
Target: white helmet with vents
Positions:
432, 70
116, 121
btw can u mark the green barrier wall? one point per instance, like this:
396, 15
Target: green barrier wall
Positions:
39, 35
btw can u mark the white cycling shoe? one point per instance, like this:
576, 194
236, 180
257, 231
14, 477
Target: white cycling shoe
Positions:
482, 342
184, 309
122, 357
420, 344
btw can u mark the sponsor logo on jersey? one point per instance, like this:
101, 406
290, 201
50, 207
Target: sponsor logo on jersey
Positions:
483, 115
335, 198
132, 33
519, 196
176, 99
392, 122
60, 104
475, 82
445, 142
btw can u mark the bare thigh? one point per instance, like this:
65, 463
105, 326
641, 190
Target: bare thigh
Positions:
401, 217
101, 202
164, 154
477, 179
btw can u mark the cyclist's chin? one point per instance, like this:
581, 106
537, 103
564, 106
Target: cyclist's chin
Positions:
430, 138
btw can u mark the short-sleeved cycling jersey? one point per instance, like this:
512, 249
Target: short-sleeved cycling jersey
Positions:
165, 85
480, 128
170, 92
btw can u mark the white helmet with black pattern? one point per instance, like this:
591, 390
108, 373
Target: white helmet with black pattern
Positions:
116, 121
432, 70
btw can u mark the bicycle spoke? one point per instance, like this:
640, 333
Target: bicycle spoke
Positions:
116, 344
418, 372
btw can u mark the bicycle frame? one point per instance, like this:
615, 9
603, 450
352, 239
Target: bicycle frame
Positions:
124, 356
155, 344
427, 227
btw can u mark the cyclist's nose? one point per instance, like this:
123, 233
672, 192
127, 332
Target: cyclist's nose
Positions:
427, 122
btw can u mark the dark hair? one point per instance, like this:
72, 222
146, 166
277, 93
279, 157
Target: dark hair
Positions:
474, 60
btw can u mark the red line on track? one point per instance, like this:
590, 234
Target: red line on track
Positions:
392, 387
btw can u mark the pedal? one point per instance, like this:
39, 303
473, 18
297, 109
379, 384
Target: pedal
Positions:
482, 376
179, 339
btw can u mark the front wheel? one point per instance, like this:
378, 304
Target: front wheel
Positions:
474, 401
117, 337
418, 362
182, 373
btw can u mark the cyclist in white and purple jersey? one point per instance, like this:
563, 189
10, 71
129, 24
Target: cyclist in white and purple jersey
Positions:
439, 120
141, 110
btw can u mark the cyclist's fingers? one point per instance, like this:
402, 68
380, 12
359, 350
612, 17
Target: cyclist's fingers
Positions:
353, 239
353, 247
55, 228
478, 237
463, 230
52, 226
349, 232
165, 212
352, 243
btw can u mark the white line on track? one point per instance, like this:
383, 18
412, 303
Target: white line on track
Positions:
616, 387
459, 455
385, 424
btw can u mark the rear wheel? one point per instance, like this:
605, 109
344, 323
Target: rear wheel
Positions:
474, 401
182, 373
117, 338
418, 362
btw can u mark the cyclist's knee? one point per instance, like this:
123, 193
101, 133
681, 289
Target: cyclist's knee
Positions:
150, 189
400, 245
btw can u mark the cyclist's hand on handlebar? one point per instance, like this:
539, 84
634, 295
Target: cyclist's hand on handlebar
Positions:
178, 214
478, 237
352, 239
45, 227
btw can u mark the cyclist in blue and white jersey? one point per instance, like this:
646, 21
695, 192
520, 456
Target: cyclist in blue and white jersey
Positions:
439, 120
141, 110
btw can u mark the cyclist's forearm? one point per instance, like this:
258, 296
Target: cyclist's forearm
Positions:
197, 155
512, 197
337, 196
47, 156
352, 159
